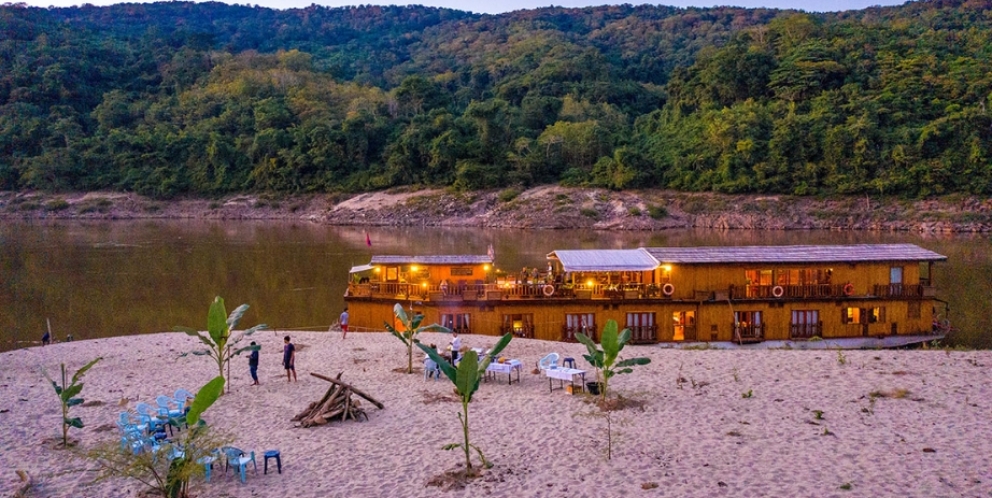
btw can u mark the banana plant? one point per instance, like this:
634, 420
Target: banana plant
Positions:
221, 346
466, 377
411, 329
605, 360
67, 391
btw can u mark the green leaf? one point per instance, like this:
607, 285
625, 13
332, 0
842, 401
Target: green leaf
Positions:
205, 339
79, 373
236, 315
468, 375
397, 334
217, 322
71, 392
205, 397
58, 388
74, 402
398, 311
74, 422
608, 341
584, 339
451, 446
630, 362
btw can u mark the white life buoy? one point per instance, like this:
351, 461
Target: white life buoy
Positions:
777, 291
548, 290
668, 289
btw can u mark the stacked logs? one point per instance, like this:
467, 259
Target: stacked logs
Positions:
336, 404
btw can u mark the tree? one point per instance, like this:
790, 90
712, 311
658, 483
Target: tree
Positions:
466, 377
218, 338
411, 329
605, 360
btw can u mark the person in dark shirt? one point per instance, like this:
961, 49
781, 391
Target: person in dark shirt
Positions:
289, 359
253, 365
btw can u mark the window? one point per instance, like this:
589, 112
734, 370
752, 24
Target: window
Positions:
521, 325
895, 275
642, 327
461, 272
747, 324
459, 322
684, 325
863, 315
805, 323
579, 322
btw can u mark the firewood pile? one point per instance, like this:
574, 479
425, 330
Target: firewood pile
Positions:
336, 404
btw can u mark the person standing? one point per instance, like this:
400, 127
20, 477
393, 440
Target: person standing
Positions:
456, 345
253, 364
344, 323
289, 359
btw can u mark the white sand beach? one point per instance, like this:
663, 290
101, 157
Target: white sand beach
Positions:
770, 423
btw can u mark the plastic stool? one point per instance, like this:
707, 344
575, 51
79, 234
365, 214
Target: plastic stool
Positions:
272, 454
569, 362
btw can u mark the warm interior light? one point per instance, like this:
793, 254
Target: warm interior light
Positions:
589, 283
377, 269
424, 285
666, 267
413, 268
486, 267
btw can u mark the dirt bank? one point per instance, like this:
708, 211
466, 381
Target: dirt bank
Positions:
547, 207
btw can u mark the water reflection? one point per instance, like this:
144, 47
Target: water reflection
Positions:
99, 279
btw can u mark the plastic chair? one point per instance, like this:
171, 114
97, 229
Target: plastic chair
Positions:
165, 402
431, 369
149, 416
181, 396
208, 463
548, 362
237, 458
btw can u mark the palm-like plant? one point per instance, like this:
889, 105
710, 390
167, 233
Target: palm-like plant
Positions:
466, 377
221, 346
605, 360
411, 329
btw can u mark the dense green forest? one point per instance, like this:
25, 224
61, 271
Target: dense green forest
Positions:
179, 98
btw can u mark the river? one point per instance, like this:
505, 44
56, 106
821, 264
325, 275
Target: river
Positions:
107, 278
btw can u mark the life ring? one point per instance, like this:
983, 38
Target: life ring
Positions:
668, 289
848, 289
548, 290
778, 291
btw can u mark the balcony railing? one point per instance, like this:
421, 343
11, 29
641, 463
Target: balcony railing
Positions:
621, 292
748, 332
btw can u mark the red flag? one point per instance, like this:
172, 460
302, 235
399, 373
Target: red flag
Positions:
368, 241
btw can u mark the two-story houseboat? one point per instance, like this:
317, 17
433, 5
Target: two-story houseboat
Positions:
664, 294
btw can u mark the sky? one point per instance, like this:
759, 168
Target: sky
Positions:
501, 6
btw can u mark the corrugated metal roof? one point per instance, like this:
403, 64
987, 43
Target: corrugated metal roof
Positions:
454, 259
605, 260
360, 268
794, 254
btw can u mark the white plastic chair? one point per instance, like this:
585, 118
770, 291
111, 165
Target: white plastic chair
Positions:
548, 362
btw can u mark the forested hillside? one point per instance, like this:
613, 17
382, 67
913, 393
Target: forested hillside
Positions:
176, 98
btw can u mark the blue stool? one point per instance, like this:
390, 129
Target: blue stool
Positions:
569, 362
272, 454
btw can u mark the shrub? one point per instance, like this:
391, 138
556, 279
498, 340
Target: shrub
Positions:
509, 194
589, 213
657, 212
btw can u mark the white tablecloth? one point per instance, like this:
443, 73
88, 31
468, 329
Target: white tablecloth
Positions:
563, 373
505, 367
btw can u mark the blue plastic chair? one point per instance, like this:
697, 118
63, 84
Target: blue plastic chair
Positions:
208, 463
431, 369
181, 396
149, 416
166, 403
238, 459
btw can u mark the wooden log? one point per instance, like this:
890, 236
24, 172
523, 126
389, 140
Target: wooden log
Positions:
370, 399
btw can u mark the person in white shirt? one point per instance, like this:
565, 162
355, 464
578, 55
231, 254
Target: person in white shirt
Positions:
456, 345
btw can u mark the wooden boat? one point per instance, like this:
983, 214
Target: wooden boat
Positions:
739, 295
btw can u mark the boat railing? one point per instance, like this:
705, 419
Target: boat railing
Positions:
787, 291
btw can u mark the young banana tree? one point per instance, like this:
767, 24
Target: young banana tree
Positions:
411, 329
221, 346
466, 377
605, 360
67, 392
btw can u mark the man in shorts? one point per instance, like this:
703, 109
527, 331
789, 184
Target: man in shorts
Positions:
289, 359
344, 323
